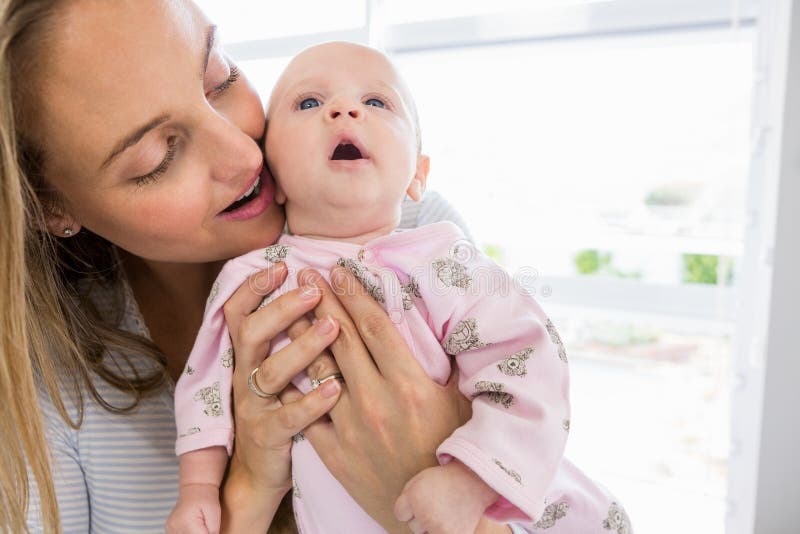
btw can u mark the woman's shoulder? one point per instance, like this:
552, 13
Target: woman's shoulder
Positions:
119, 467
100, 426
431, 208
94, 398
115, 302
75, 413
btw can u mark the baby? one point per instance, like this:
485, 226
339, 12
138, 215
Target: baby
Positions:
344, 146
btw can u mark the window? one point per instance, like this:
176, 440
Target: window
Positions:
422, 11
245, 20
599, 150
620, 164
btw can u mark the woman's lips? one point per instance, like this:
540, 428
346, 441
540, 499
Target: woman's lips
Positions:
258, 204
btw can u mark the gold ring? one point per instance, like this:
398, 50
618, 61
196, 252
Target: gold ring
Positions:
252, 383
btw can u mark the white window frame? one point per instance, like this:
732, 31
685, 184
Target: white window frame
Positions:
569, 20
552, 19
764, 480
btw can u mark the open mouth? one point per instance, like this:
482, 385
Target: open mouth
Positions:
346, 151
248, 195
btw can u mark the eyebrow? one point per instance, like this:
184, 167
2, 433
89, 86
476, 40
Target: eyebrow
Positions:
302, 84
211, 39
137, 135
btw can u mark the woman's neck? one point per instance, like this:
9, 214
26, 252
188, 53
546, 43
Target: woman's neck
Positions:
184, 283
171, 298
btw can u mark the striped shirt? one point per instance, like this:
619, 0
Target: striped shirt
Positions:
119, 473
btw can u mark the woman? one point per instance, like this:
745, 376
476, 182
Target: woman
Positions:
126, 137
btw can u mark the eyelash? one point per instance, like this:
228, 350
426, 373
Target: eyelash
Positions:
303, 96
387, 102
155, 174
232, 79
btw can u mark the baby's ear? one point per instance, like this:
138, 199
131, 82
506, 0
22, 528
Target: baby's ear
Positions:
420, 180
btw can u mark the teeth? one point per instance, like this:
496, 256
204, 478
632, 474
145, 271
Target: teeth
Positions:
249, 191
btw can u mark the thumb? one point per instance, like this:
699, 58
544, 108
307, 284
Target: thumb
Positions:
463, 403
402, 508
213, 521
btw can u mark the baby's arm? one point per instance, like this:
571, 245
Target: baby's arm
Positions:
203, 410
513, 365
199, 478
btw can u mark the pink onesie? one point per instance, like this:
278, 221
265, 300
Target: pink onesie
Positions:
452, 304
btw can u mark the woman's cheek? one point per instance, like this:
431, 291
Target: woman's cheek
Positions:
170, 214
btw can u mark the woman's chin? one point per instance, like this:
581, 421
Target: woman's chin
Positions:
259, 232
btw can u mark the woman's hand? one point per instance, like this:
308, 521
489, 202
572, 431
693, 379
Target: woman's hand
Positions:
391, 416
260, 469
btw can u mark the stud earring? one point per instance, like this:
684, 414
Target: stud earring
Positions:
68, 232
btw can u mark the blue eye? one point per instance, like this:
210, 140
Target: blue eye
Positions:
309, 103
375, 102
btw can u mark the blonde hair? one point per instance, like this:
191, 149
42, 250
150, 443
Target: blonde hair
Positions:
52, 340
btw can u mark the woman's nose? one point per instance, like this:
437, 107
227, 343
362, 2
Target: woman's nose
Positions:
233, 154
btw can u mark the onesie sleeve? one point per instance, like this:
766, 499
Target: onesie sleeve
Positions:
203, 393
512, 365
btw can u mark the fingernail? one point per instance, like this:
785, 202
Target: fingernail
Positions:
307, 276
324, 325
337, 276
310, 292
302, 276
330, 388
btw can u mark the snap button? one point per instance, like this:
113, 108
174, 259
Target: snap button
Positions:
396, 316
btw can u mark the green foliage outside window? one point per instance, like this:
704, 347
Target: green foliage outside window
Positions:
591, 261
707, 269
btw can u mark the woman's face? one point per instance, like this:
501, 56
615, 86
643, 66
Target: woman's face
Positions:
151, 134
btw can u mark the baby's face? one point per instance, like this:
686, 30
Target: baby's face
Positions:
342, 141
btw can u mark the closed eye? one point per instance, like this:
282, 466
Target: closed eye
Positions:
155, 174
224, 86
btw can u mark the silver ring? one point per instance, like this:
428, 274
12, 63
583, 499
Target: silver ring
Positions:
317, 382
252, 383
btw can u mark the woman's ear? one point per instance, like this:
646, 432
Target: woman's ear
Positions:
420, 180
62, 225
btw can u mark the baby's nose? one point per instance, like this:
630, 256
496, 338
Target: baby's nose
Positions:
337, 111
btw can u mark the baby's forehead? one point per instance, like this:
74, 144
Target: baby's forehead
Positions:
341, 54
327, 63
